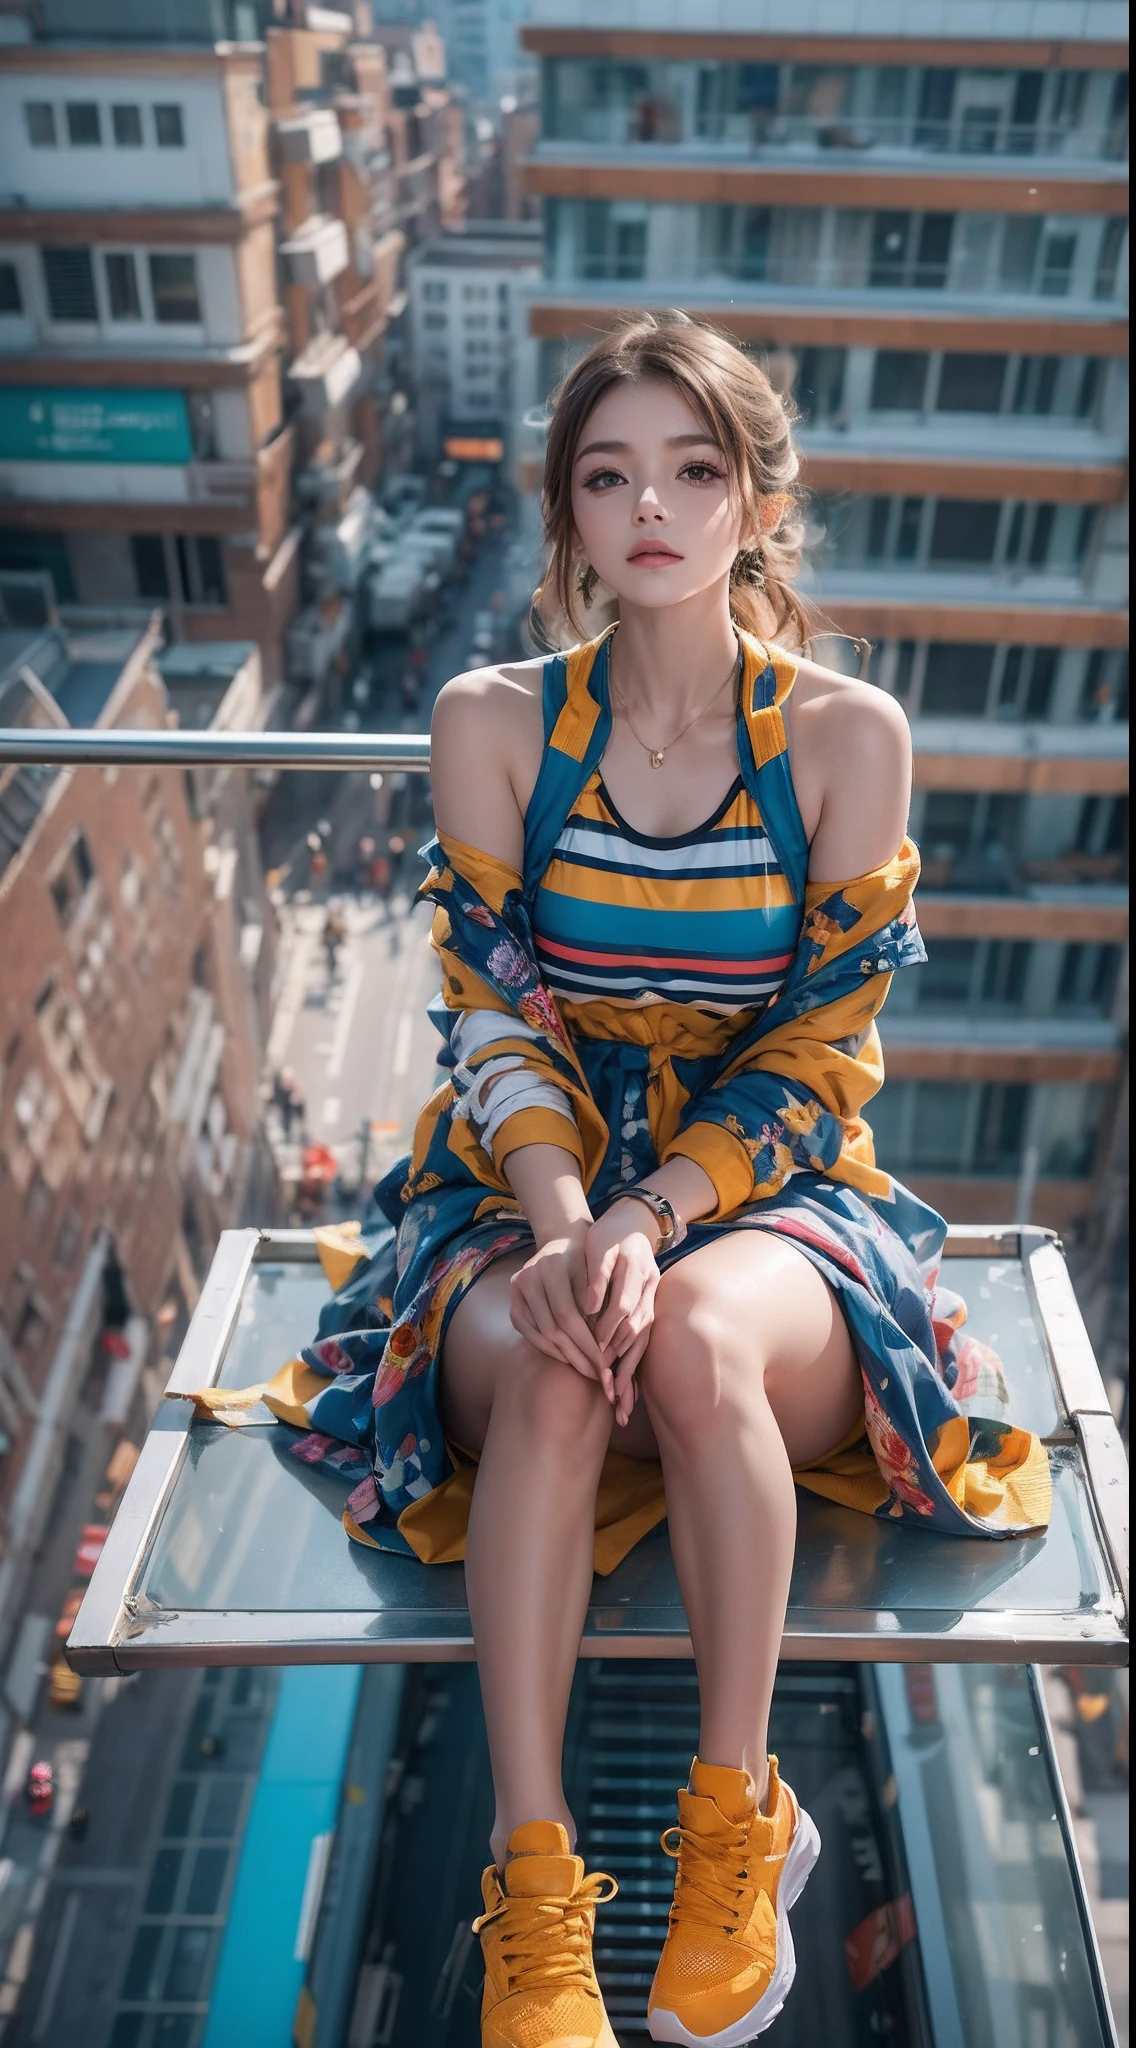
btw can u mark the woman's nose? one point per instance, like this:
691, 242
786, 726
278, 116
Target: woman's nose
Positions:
649, 506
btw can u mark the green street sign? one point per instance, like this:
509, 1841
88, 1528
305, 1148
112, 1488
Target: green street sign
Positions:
47, 423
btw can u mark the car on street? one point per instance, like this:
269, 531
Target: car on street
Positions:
39, 1790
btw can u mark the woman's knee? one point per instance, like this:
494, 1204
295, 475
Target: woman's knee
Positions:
694, 1373
552, 1403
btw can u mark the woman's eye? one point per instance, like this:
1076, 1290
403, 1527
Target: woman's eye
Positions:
700, 472
602, 479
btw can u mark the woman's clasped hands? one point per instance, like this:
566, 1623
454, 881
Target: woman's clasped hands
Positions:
587, 1297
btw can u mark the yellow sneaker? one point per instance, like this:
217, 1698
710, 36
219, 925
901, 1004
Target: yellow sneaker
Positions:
536, 1937
728, 1963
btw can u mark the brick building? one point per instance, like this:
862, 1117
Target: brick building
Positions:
129, 1042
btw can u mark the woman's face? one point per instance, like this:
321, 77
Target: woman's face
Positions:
651, 499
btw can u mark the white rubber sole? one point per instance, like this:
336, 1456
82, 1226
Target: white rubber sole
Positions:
667, 2026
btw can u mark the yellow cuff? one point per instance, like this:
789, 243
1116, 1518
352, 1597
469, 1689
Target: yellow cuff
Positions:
723, 1157
536, 1127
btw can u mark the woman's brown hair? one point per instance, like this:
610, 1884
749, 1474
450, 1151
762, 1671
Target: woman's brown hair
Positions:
751, 423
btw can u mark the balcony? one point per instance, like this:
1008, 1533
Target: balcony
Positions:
313, 137
317, 252
326, 372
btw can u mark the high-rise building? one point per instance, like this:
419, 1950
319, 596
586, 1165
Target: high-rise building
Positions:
923, 233
144, 450
468, 311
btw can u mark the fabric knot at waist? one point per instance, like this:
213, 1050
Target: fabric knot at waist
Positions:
664, 1030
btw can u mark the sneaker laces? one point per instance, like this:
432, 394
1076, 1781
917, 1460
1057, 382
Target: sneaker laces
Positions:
713, 1872
550, 1939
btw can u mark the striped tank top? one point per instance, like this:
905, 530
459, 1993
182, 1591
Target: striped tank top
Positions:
705, 919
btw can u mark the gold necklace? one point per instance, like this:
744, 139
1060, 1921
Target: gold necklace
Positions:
658, 755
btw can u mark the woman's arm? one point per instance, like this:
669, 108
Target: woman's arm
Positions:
486, 739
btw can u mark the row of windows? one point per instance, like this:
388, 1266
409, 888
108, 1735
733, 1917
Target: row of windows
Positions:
1003, 843
1042, 978
187, 568
954, 533
85, 124
907, 380
917, 381
942, 679
984, 112
121, 285
436, 291
832, 248
985, 1127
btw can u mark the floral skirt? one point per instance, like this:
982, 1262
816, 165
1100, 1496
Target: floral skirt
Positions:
371, 1414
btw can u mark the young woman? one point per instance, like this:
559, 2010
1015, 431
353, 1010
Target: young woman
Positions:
642, 1241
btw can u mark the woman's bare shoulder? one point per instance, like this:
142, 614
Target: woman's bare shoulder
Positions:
503, 697
849, 714
487, 736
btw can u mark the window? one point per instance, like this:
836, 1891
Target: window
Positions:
169, 127
201, 569
1089, 387
899, 379
956, 680
1057, 258
434, 322
435, 291
84, 126
70, 282
933, 251
122, 287
964, 531
820, 383
1041, 535
1036, 384
39, 119
150, 572
11, 300
173, 284
1108, 261
972, 383
947, 977
73, 875
127, 125
1089, 975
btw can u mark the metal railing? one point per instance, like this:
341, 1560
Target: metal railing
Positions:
124, 748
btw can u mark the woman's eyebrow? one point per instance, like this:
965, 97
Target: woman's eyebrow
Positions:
624, 447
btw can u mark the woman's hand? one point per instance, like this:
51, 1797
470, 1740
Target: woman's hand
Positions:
547, 1305
622, 1276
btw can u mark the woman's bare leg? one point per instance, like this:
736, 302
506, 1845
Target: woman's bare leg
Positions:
541, 1430
750, 1369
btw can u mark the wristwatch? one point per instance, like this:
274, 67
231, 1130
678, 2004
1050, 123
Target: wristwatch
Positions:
670, 1222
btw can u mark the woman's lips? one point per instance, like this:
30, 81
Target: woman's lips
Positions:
655, 556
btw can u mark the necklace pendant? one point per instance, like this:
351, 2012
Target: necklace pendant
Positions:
657, 757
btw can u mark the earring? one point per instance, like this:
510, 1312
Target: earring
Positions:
586, 583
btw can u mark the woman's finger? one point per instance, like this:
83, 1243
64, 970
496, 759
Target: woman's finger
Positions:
548, 1293
568, 1319
599, 1277
527, 1326
624, 1290
625, 1382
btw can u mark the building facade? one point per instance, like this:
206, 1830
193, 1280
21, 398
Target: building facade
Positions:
130, 1043
469, 295
924, 237
144, 452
